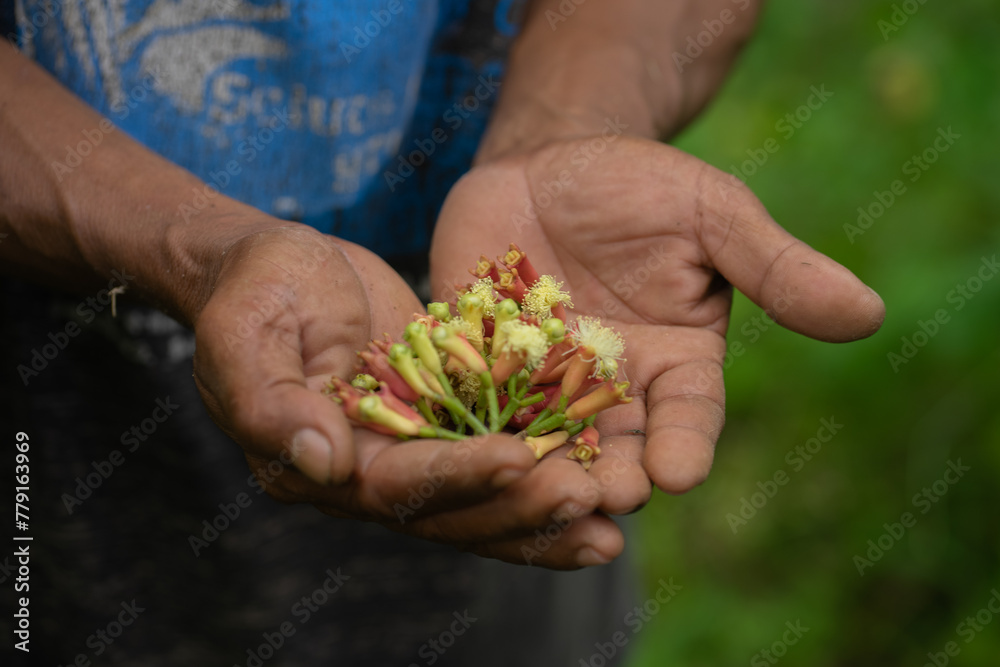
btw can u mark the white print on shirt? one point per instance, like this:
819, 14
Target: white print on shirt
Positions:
176, 45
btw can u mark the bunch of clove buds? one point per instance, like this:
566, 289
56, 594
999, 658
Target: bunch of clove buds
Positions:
501, 358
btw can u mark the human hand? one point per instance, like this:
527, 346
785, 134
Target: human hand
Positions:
289, 309
650, 239
277, 308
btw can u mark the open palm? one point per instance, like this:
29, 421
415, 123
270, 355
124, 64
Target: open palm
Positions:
290, 308
650, 239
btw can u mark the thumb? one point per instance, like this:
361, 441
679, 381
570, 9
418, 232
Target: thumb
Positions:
801, 289
256, 391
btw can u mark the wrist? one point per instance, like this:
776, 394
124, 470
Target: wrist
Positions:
126, 212
577, 94
174, 260
570, 71
193, 256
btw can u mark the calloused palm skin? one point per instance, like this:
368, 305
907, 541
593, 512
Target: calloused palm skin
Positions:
278, 308
650, 239
261, 383
645, 236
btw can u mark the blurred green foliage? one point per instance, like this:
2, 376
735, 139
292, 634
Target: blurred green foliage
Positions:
794, 560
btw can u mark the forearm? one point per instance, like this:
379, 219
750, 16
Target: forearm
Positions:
569, 72
117, 210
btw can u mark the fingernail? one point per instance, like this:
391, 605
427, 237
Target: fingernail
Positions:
311, 455
506, 477
588, 557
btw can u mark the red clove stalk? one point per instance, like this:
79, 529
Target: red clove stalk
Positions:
517, 259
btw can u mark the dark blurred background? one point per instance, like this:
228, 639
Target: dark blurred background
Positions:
897, 87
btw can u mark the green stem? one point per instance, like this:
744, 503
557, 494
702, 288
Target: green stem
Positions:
546, 420
457, 418
426, 411
508, 412
531, 400
438, 432
574, 428
526, 388
481, 402
543, 415
456, 407
491, 400
445, 384
448, 392
516, 402
512, 385
539, 427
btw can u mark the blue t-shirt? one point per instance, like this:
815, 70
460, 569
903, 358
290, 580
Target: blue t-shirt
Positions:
355, 118
339, 114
